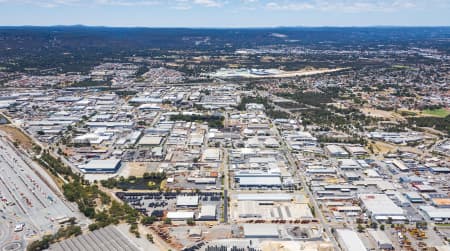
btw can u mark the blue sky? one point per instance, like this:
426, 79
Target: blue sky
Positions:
225, 13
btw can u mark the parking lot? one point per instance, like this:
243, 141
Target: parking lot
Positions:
157, 203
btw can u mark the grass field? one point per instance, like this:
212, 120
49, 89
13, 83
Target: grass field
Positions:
437, 112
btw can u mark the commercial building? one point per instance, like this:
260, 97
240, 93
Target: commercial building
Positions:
211, 154
436, 214
414, 197
336, 151
381, 207
349, 240
349, 164
400, 165
261, 231
180, 215
267, 210
264, 197
187, 201
272, 182
150, 140
208, 212
356, 151
382, 240
102, 166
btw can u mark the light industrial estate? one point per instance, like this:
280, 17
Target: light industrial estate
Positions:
293, 143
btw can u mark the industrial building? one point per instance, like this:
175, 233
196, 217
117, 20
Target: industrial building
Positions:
336, 151
349, 240
102, 166
211, 154
436, 214
382, 240
381, 207
180, 215
187, 201
208, 212
103, 239
150, 140
261, 231
272, 182
267, 210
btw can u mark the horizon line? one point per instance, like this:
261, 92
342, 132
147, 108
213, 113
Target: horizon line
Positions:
223, 27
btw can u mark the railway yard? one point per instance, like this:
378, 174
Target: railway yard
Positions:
27, 199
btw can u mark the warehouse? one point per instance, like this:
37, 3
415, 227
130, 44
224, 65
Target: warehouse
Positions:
382, 240
211, 154
349, 164
180, 215
414, 197
187, 201
95, 240
264, 197
436, 214
267, 210
400, 165
381, 207
273, 182
441, 202
102, 166
208, 212
336, 151
349, 240
261, 231
424, 188
356, 150
150, 140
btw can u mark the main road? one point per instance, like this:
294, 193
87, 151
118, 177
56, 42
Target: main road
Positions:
294, 165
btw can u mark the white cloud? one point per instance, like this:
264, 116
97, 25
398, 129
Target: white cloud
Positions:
275, 5
347, 5
127, 2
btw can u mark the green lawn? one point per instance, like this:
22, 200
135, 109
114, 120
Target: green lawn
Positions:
437, 112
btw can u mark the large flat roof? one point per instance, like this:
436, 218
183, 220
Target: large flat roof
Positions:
184, 200
105, 164
350, 240
261, 230
150, 140
180, 215
104, 239
380, 205
434, 212
264, 196
260, 181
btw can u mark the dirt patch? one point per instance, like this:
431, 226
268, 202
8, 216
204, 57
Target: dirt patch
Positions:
381, 114
16, 135
136, 169
379, 147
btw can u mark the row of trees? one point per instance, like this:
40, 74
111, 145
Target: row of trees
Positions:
213, 121
441, 124
63, 233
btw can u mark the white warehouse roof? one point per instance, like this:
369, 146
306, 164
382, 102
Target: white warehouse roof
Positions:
350, 240
264, 197
380, 205
180, 215
261, 230
187, 201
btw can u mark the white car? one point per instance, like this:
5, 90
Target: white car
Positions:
19, 227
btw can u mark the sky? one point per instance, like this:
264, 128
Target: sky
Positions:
225, 13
